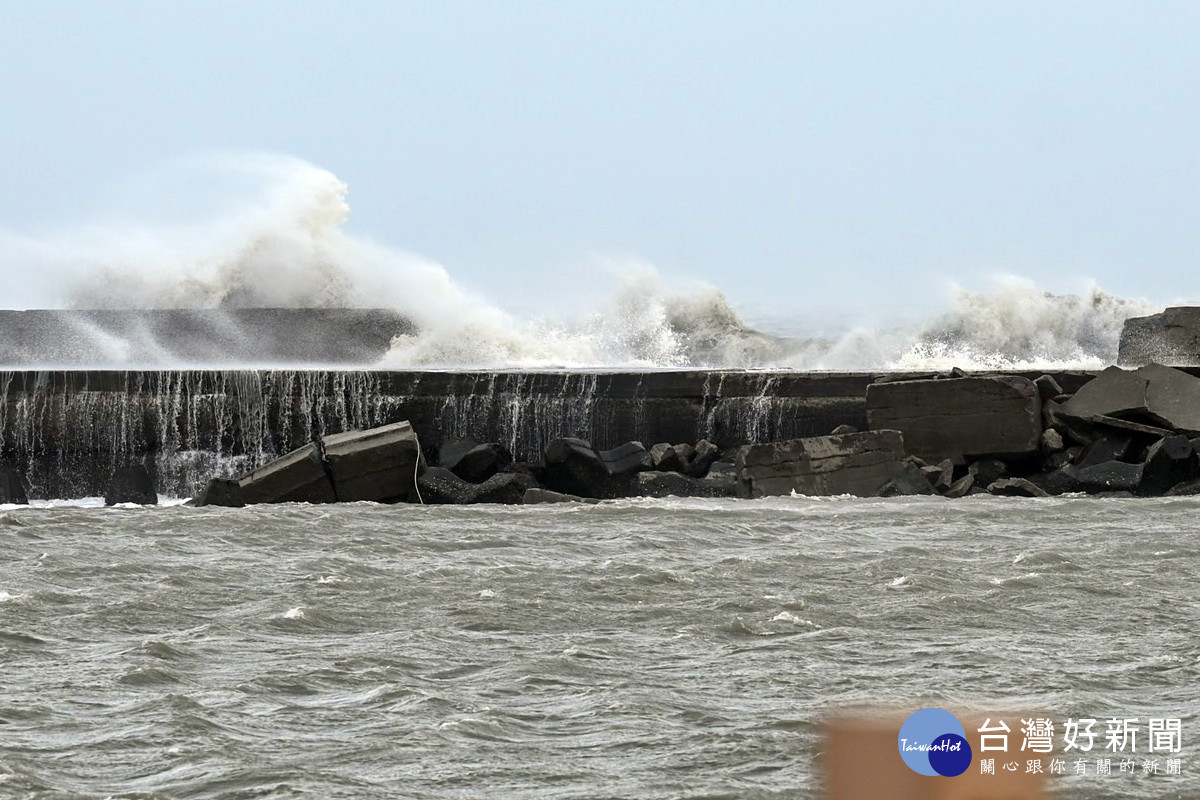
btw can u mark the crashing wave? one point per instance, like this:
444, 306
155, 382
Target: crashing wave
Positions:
284, 245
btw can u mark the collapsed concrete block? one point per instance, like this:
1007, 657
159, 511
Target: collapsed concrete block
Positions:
380, 465
853, 463
221, 492
474, 461
1172, 337
1154, 396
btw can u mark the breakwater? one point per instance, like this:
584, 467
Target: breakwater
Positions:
67, 431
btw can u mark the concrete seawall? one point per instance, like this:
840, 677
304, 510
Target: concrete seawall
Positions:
68, 430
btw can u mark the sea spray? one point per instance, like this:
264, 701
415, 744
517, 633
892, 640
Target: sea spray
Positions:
265, 230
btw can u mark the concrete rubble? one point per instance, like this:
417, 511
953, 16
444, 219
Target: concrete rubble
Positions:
1117, 433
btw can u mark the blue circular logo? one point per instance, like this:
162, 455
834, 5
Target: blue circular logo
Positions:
934, 742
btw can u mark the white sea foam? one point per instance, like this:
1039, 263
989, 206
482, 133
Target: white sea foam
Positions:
272, 234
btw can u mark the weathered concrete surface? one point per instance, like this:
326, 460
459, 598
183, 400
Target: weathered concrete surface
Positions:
1172, 337
1150, 395
169, 337
131, 484
381, 465
221, 492
960, 418
853, 463
12, 487
296, 476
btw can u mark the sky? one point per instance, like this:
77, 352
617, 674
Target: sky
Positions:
807, 158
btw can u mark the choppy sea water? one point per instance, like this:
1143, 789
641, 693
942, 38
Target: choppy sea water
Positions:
630, 649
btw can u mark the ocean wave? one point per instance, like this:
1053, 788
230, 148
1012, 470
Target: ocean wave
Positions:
280, 240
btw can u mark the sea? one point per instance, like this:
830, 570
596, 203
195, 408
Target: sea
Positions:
628, 649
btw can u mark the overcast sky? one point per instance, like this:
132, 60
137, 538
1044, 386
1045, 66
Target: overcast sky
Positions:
795, 154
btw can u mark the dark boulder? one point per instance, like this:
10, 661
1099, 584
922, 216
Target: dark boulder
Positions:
1169, 462
1016, 487
221, 492
664, 484
1111, 476
504, 487
987, 471
574, 467
440, 486
1186, 488
664, 458
472, 460
1048, 387
626, 458
673, 484
1056, 482
912, 480
536, 496
685, 452
960, 418
13, 488
941, 475
1062, 458
522, 468
855, 463
1052, 441
131, 484
724, 467
1109, 447
961, 487
705, 455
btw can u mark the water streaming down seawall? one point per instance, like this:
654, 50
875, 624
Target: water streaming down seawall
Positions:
68, 430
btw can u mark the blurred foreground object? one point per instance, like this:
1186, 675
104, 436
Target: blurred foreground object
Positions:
860, 760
